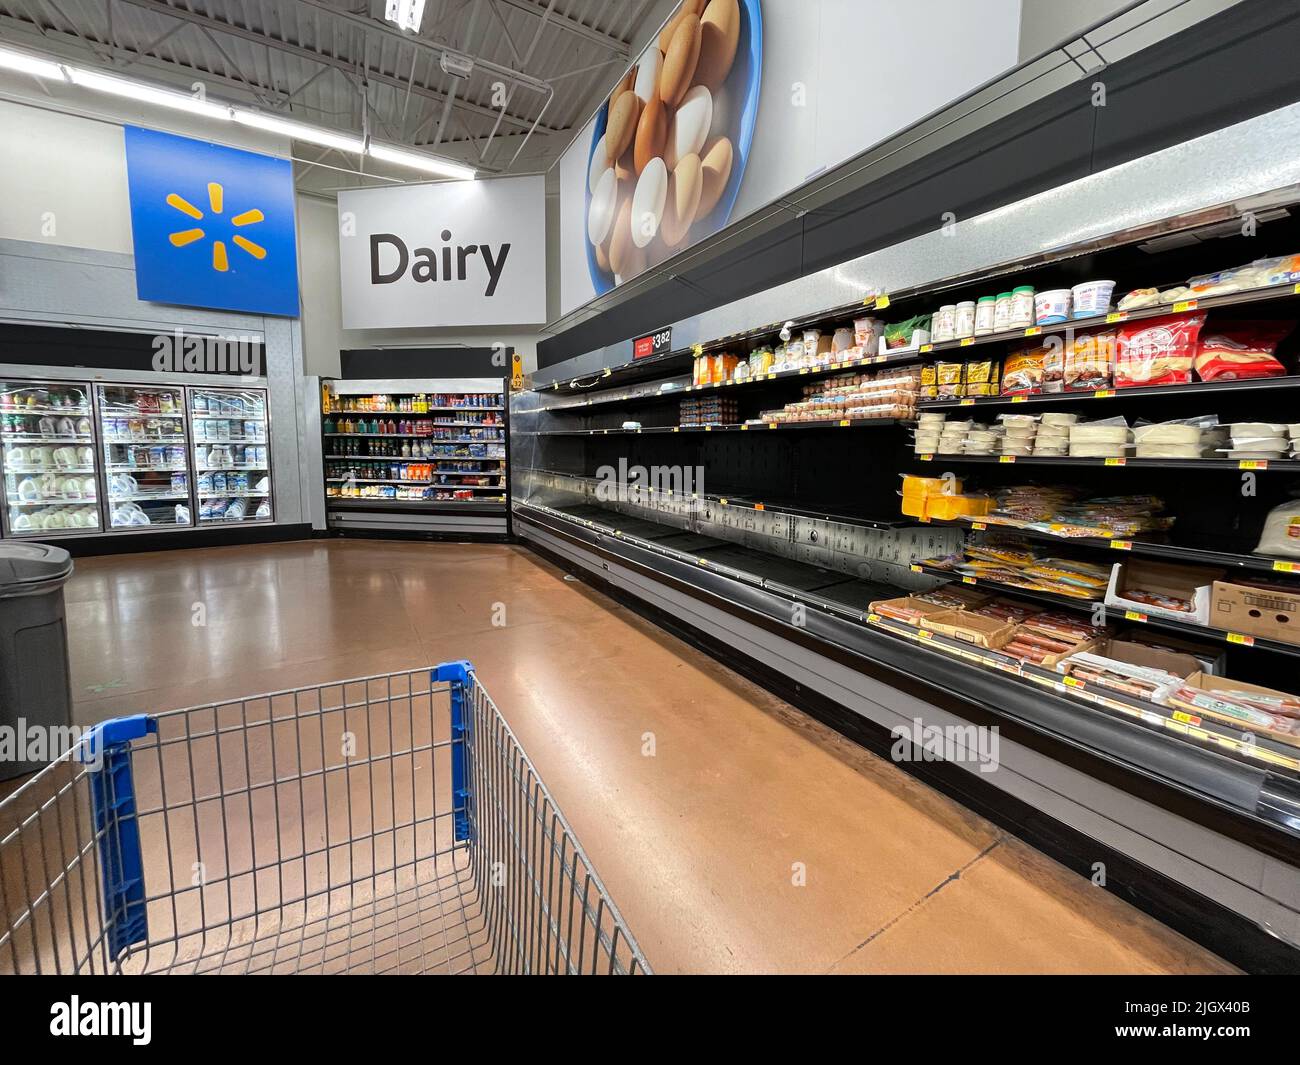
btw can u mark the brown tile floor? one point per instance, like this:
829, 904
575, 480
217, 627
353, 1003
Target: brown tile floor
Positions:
698, 842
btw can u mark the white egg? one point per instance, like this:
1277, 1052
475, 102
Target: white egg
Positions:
647, 74
690, 126
648, 202
603, 202
599, 164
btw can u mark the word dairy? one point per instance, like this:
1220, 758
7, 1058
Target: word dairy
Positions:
424, 262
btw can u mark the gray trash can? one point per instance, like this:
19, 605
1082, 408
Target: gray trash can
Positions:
35, 682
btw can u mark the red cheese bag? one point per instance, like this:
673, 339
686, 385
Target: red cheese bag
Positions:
1237, 351
1158, 351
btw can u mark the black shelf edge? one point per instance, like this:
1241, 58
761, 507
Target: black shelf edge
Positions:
1176, 552
1086, 606
459, 506
762, 427
1258, 465
1196, 388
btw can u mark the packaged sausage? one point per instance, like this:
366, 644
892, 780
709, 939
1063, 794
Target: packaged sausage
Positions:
1022, 372
1238, 351
1089, 362
1158, 351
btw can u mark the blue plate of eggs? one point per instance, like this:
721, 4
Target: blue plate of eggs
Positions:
669, 147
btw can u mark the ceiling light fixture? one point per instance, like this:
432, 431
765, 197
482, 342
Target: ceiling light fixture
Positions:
26, 63
419, 161
148, 94
408, 14
30, 64
300, 131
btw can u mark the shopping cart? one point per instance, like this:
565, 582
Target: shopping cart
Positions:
390, 824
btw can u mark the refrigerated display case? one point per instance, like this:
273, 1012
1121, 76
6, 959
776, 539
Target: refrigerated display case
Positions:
416, 456
48, 458
146, 461
231, 455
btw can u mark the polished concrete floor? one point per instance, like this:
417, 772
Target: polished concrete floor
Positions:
751, 839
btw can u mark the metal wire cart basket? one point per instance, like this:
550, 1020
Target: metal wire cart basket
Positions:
390, 824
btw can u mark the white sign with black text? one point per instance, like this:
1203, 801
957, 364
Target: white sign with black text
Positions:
449, 254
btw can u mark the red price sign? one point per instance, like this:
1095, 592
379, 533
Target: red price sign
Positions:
655, 344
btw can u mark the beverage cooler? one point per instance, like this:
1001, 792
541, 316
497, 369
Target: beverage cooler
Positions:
425, 458
83, 459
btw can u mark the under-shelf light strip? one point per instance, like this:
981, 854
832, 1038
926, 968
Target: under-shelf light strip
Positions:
40, 67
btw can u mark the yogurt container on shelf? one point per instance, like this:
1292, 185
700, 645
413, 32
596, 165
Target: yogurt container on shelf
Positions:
965, 320
1022, 307
1092, 298
945, 323
985, 315
1002, 312
1052, 306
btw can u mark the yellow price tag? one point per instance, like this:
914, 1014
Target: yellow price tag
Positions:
967, 342
1103, 393
968, 580
697, 349
803, 369
967, 403
1122, 545
701, 562
708, 428
723, 501
1245, 641
926, 458
1253, 464
608, 372
744, 426
1185, 718
1019, 399
760, 506
882, 302
926, 348
1072, 682
1133, 615
1006, 459
916, 569
1184, 305
923, 634
771, 425
1296, 290
1286, 567
979, 526
873, 617
1033, 331
1116, 316
1117, 462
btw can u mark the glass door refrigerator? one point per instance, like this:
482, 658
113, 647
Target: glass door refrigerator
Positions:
47, 456
232, 455
146, 457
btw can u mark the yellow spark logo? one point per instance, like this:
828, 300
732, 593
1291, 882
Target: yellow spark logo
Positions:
216, 198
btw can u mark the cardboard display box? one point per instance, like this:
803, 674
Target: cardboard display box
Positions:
971, 628
1207, 683
1192, 583
1270, 611
1136, 654
1209, 659
922, 611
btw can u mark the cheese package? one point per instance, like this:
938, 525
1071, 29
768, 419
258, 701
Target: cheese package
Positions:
951, 379
982, 378
1022, 372
1240, 351
1158, 351
1090, 361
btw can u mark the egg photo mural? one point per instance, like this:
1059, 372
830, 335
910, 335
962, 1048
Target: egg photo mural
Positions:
669, 147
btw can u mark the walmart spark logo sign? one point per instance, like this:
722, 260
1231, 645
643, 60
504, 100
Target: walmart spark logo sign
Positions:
212, 226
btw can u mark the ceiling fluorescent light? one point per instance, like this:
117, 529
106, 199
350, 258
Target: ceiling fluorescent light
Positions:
419, 161
149, 94
30, 64
408, 14
300, 131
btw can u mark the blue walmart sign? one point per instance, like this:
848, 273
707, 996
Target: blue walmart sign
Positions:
212, 226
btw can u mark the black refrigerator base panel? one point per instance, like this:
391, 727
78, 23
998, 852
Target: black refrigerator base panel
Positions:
477, 523
1209, 872
174, 539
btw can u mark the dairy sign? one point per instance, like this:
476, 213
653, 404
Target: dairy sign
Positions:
457, 253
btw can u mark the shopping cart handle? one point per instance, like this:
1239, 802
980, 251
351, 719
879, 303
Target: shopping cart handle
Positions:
115, 731
453, 672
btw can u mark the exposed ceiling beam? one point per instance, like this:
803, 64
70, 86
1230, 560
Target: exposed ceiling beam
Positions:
572, 25
235, 30
383, 29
